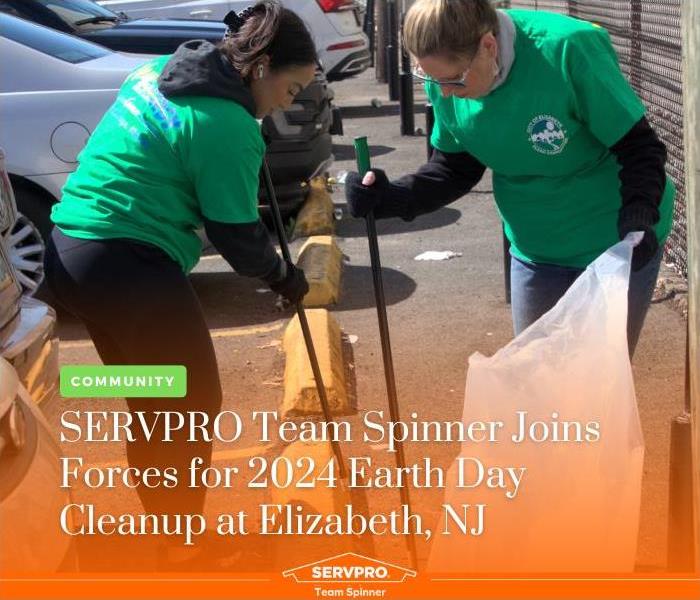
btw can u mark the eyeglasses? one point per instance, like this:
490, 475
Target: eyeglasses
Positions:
421, 75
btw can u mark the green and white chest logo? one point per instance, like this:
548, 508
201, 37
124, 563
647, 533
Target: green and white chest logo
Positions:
547, 134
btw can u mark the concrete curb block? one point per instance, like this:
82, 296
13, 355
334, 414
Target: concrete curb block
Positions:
300, 395
316, 215
322, 262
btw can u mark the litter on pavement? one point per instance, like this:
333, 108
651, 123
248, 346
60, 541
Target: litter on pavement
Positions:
438, 255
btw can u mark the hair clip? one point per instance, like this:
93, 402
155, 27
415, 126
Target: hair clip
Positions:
235, 21
247, 13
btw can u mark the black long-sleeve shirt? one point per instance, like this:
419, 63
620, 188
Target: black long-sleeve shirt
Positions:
247, 248
448, 176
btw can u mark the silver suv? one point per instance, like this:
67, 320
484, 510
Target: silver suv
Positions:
336, 25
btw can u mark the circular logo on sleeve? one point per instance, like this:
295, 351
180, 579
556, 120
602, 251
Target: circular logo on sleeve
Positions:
547, 134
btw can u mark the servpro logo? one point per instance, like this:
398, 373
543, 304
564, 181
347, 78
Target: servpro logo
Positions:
350, 568
345, 573
547, 134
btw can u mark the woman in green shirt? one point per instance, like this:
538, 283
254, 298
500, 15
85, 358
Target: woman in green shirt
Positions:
539, 98
179, 149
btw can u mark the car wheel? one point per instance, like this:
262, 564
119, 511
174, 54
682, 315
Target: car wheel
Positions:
36, 207
26, 249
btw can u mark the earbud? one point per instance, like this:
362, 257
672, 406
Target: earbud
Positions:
261, 71
496, 68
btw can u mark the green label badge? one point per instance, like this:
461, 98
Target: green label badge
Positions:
123, 381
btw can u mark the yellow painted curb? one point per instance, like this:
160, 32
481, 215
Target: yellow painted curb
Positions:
309, 464
316, 216
300, 395
322, 262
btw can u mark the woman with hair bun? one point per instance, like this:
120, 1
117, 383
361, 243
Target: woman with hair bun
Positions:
179, 149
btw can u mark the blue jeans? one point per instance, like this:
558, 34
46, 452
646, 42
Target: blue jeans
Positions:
536, 288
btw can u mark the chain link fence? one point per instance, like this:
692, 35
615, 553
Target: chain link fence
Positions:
647, 37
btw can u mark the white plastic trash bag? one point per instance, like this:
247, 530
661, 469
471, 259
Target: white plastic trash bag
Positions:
576, 507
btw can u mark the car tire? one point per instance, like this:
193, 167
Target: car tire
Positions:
29, 235
36, 207
26, 248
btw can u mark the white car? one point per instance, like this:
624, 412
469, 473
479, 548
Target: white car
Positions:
336, 25
54, 90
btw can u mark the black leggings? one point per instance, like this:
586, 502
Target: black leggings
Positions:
140, 309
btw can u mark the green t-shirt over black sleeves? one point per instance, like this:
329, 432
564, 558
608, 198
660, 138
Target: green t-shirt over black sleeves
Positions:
224, 156
155, 168
546, 133
603, 98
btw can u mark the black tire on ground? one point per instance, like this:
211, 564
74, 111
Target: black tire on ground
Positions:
36, 207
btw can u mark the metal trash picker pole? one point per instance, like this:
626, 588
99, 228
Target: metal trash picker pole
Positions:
306, 331
363, 165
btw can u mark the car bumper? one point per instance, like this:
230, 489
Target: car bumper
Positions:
32, 499
351, 65
32, 349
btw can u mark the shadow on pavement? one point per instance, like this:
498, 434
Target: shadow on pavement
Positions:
347, 151
357, 291
228, 300
350, 227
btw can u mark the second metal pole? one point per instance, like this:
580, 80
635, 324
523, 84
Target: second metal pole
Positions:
362, 152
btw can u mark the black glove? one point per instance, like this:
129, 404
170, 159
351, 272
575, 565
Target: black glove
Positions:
646, 249
293, 286
362, 199
640, 217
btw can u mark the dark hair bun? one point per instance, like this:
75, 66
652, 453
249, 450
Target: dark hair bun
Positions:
267, 28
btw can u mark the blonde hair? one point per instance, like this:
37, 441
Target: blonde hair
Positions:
450, 28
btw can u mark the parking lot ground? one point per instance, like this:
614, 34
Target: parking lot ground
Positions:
439, 314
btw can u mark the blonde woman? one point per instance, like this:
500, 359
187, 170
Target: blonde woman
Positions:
539, 98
